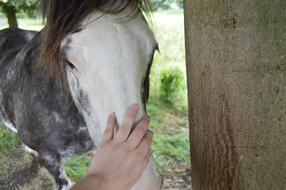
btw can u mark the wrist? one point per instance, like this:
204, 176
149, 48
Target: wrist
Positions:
98, 180
91, 182
102, 183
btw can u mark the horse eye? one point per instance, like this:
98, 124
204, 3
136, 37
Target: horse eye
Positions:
70, 65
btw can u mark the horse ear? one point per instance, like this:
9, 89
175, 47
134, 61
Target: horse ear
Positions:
43, 6
51, 8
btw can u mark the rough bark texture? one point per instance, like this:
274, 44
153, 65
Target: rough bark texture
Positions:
10, 12
236, 54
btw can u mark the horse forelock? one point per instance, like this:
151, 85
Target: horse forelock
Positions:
64, 18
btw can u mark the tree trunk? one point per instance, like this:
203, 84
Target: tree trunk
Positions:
10, 12
236, 54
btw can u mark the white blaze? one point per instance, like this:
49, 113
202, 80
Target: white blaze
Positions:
111, 58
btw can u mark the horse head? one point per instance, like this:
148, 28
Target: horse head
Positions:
107, 61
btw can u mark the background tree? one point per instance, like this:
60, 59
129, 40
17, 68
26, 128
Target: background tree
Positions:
166, 4
237, 88
11, 7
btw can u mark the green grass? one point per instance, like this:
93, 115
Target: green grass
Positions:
8, 141
77, 167
169, 123
171, 141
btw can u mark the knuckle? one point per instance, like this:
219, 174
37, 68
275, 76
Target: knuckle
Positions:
115, 143
109, 124
149, 135
130, 113
107, 130
110, 119
139, 131
124, 129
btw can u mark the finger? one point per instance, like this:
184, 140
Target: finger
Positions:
109, 130
147, 158
145, 144
144, 160
138, 133
128, 123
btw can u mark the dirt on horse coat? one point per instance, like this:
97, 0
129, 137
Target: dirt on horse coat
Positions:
111, 62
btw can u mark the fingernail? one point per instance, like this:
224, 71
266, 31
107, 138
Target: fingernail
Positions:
135, 107
148, 118
150, 152
112, 115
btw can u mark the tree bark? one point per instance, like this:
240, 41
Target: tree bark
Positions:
236, 65
10, 12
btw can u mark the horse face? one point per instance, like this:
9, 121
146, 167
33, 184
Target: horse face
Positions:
107, 63
106, 67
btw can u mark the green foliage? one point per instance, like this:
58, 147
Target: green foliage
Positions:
25, 23
168, 80
27, 6
20, 4
171, 85
167, 4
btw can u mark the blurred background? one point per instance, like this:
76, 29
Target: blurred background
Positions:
167, 103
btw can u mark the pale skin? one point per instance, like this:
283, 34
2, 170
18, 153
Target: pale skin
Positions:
122, 156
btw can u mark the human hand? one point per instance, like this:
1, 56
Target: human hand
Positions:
122, 156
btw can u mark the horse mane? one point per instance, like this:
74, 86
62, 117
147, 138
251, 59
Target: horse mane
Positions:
63, 17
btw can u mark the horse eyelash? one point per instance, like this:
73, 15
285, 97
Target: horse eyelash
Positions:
71, 66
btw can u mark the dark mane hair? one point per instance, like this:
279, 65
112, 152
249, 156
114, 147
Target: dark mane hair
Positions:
63, 17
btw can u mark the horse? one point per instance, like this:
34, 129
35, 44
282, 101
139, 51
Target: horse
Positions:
59, 85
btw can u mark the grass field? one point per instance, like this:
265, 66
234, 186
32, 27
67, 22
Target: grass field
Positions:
169, 123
